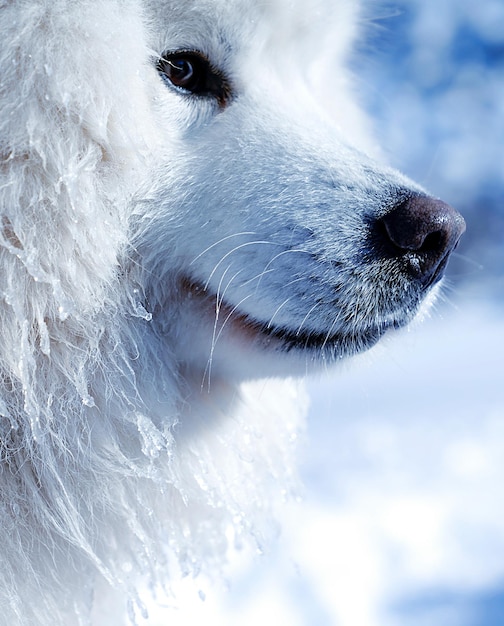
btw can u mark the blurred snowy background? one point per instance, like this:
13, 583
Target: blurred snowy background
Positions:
435, 82
402, 522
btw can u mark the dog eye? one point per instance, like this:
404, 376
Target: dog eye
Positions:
190, 72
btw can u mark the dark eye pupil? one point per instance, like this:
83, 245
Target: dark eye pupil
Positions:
185, 71
180, 72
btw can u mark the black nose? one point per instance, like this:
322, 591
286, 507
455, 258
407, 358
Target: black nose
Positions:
423, 232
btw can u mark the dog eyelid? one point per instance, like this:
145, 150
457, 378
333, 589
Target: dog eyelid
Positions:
190, 72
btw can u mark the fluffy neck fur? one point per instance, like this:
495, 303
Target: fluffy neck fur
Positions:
96, 479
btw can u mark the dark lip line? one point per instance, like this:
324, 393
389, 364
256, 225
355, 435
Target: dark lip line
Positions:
317, 341
308, 340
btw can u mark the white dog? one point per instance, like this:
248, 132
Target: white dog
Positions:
183, 209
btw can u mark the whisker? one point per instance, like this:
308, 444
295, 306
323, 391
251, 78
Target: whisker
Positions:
216, 243
295, 280
277, 310
230, 252
215, 335
298, 332
329, 332
218, 296
207, 374
250, 280
473, 266
229, 315
277, 256
229, 283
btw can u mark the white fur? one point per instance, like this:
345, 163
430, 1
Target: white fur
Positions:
136, 223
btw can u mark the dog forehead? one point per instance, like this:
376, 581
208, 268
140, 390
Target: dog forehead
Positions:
222, 27
210, 26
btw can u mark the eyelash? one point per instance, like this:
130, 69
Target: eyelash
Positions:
190, 72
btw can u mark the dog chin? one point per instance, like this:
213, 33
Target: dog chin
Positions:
235, 345
250, 351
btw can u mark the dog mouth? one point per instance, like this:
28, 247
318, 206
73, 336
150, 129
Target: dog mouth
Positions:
267, 336
335, 344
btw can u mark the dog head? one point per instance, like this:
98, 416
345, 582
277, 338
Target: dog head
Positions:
284, 242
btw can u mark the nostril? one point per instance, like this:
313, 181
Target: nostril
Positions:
433, 241
423, 232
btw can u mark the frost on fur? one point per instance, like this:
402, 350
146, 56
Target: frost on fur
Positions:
162, 249
93, 483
